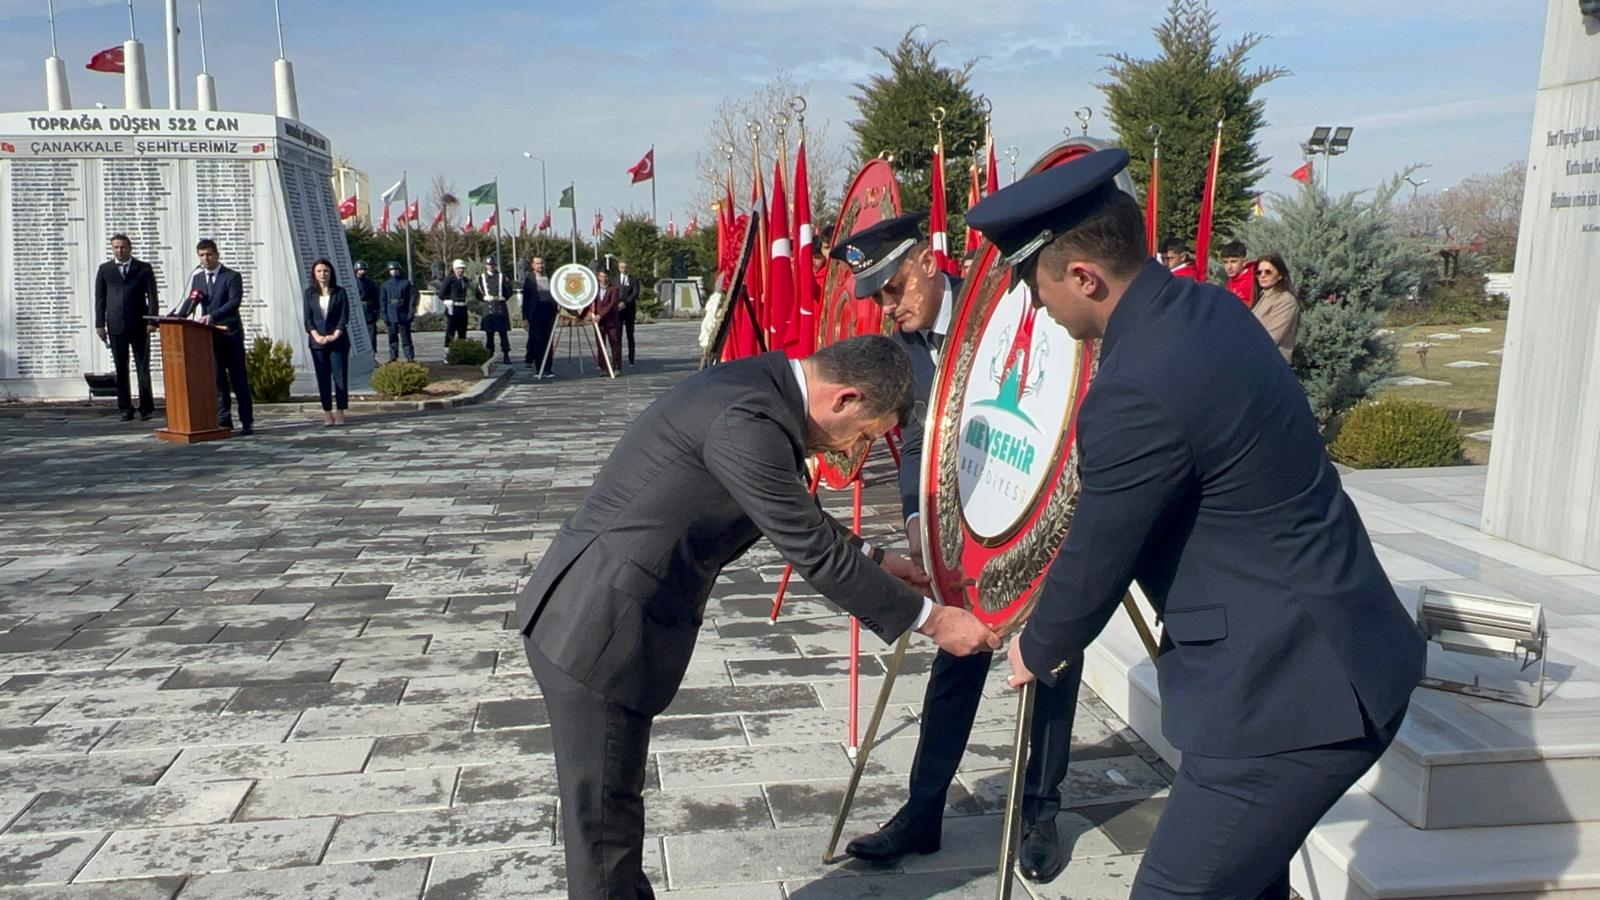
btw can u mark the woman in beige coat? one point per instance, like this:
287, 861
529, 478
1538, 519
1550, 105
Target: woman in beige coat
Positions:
1278, 309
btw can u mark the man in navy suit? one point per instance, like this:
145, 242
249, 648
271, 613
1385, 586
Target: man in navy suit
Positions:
892, 263
124, 293
1286, 662
217, 292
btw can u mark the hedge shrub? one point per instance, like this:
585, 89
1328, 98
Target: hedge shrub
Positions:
466, 352
1397, 434
270, 367
396, 379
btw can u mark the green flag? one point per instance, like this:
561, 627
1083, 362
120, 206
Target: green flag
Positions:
483, 195
566, 199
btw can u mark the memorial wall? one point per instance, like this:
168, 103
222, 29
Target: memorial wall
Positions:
1544, 461
257, 184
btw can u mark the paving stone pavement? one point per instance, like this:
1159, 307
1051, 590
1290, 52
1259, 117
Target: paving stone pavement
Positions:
284, 666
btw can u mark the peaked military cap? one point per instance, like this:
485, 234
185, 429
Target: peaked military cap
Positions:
1021, 218
874, 253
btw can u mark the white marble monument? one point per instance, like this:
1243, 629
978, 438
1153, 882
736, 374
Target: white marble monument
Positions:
1544, 470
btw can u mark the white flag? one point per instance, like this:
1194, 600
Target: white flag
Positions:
397, 189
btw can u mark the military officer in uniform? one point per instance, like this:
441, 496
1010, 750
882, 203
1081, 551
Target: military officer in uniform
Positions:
453, 292
371, 307
493, 289
894, 264
612, 612
1286, 661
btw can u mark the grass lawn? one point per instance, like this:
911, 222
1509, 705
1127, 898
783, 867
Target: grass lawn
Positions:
1469, 393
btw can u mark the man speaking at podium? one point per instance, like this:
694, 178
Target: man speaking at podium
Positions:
216, 293
612, 613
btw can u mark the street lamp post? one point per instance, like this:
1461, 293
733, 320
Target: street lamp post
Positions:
1414, 185
544, 191
1329, 142
513, 210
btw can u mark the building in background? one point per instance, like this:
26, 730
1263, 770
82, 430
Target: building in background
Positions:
350, 181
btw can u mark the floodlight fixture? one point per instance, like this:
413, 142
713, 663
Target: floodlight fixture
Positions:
1494, 627
1341, 140
1319, 139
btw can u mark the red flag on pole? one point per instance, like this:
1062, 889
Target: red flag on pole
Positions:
1208, 203
599, 223
347, 208
413, 212
544, 223
488, 224
383, 225
466, 227
1152, 203
756, 282
672, 226
971, 242
780, 274
438, 219
938, 218
693, 226
1302, 174
644, 169
107, 60
805, 260
522, 225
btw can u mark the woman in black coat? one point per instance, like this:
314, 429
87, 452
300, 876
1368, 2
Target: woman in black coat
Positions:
327, 320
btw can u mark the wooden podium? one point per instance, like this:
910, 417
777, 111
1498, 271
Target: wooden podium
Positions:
189, 371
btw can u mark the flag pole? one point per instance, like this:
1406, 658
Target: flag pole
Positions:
405, 220
653, 220
573, 187
498, 226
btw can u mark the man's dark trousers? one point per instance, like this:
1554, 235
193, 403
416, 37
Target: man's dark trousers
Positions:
455, 326
232, 377
136, 340
400, 336
539, 329
628, 314
1231, 826
954, 688
601, 750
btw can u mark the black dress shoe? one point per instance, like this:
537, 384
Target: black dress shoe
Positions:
247, 430
1040, 858
898, 837
144, 417
127, 415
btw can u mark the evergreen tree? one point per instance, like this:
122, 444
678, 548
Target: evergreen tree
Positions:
897, 119
1183, 90
1348, 264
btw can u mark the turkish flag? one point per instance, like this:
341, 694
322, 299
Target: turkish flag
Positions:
599, 223
347, 208
438, 219
107, 60
488, 224
693, 226
780, 271
1302, 174
466, 227
414, 211
544, 223
522, 226
8, 147
672, 227
804, 334
1208, 205
644, 169
383, 224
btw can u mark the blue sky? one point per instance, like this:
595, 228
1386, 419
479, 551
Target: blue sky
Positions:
465, 87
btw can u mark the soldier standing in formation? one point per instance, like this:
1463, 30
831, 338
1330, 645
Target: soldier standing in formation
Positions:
453, 293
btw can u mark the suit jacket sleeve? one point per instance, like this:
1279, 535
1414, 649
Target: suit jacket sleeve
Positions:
186, 308
341, 323
307, 304
100, 297
753, 458
911, 468
232, 298
152, 298
1133, 465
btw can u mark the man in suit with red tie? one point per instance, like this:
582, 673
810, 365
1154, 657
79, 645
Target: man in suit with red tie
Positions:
124, 293
217, 292
608, 313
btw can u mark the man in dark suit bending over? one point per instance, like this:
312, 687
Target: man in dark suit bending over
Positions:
124, 293
612, 611
216, 292
1286, 661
